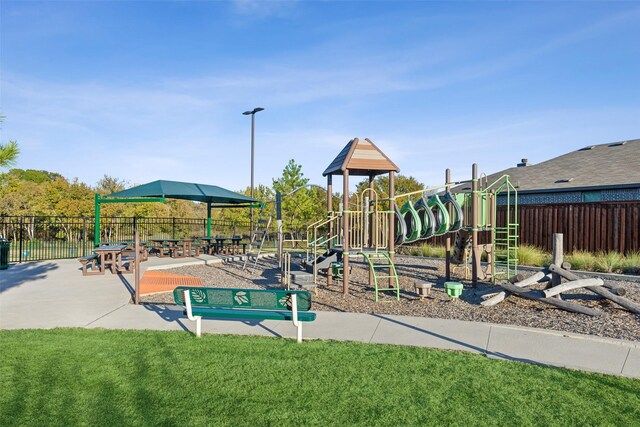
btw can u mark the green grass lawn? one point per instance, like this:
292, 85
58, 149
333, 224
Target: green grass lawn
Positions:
97, 377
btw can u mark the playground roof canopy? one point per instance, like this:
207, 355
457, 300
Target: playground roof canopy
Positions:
216, 196
361, 157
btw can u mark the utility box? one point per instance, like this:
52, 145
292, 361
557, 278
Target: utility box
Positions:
4, 253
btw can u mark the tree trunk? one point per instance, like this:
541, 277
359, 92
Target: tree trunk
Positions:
576, 284
618, 290
537, 296
536, 278
600, 290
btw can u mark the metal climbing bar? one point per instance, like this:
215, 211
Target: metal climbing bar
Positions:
370, 257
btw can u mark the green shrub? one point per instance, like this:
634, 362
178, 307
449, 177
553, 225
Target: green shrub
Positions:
533, 256
425, 250
581, 260
605, 262
631, 263
609, 262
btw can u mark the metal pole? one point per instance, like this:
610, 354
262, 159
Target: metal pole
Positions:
279, 225
330, 225
253, 116
84, 236
136, 264
474, 213
447, 179
21, 238
392, 228
96, 229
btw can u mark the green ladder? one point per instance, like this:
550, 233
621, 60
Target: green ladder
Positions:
505, 252
386, 262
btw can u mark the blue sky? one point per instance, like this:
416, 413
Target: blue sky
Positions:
156, 90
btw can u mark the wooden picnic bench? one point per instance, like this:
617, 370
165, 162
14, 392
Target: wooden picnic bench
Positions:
107, 256
245, 304
90, 262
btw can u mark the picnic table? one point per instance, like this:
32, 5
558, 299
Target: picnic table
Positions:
173, 246
210, 247
130, 248
234, 246
110, 256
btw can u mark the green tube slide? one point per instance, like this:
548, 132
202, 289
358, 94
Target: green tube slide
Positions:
426, 218
412, 221
441, 214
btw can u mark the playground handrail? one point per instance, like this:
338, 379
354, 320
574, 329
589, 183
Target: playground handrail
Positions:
424, 190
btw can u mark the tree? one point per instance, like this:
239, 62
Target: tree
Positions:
292, 178
32, 175
108, 184
403, 184
303, 206
8, 152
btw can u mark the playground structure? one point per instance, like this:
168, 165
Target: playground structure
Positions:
370, 226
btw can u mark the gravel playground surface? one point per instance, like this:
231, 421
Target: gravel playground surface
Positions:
513, 311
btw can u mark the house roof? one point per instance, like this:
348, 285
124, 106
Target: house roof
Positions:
613, 165
361, 157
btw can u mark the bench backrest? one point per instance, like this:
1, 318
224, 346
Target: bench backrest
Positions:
266, 299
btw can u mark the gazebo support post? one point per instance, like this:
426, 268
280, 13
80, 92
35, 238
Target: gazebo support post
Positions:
208, 219
96, 229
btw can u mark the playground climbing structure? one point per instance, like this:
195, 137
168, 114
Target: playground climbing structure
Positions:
370, 226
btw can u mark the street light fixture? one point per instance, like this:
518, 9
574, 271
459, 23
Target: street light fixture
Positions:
253, 115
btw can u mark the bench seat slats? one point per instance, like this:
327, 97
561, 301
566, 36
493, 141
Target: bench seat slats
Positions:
233, 298
225, 313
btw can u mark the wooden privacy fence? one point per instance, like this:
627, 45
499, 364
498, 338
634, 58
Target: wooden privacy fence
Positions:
592, 227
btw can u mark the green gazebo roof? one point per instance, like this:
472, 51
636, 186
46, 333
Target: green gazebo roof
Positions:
217, 196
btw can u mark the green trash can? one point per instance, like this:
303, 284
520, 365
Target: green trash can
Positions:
4, 253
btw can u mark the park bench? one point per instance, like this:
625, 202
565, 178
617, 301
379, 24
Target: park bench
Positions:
90, 262
245, 304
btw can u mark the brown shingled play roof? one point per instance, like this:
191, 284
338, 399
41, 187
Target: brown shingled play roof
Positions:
361, 157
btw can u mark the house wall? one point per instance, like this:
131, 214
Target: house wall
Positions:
614, 195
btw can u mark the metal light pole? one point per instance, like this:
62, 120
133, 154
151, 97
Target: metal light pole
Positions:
253, 123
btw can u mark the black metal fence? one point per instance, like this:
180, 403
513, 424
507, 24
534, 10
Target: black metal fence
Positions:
36, 238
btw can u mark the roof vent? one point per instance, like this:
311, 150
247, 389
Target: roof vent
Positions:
587, 148
560, 181
524, 162
617, 144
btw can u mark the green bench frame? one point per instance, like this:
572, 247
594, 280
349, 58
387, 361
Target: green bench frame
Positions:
245, 304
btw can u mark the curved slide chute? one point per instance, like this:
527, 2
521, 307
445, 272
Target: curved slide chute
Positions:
456, 216
441, 214
412, 222
401, 227
426, 218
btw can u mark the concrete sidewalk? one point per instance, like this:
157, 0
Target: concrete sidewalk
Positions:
55, 294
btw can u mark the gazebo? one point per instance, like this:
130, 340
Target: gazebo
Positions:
159, 191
